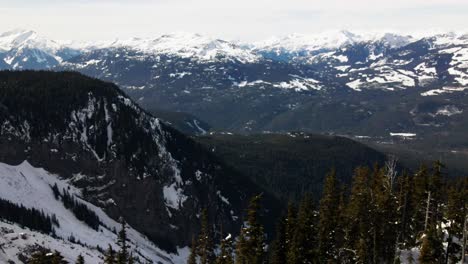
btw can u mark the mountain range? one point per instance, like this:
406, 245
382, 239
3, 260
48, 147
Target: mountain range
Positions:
337, 82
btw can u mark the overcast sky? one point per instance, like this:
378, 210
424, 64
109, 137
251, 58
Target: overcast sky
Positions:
231, 19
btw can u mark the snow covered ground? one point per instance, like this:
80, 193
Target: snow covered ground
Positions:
30, 186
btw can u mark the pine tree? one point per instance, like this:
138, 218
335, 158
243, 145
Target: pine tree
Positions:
341, 231
304, 240
242, 247
290, 230
80, 259
359, 236
251, 245
122, 255
431, 249
193, 252
131, 259
57, 258
205, 247
38, 258
405, 210
328, 212
225, 255
384, 216
109, 257
457, 209
279, 248
436, 188
419, 199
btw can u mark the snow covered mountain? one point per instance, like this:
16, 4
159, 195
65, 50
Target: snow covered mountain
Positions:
25, 49
31, 187
275, 84
112, 156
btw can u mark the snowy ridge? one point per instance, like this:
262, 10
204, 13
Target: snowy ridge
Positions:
30, 186
370, 60
186, 45
20, 38
313, 44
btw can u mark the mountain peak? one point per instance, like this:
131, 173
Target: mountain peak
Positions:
16, 38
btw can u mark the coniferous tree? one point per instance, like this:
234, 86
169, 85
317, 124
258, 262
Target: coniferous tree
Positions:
457, 209
405, 211
304, 239
56, 191
80, 259
436, 189
328, 213
359, 236
109, 257
279, 248
431, 248
57, 258
290, 230
341, 231
419, 199
384, 217
38, 257
225, 254
131, 259
122, 255
242, 247
251, 245
205, 245
192, 259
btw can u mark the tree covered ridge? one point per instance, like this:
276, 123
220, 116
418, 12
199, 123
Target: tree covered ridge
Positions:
381, 218
38, 96
288, 165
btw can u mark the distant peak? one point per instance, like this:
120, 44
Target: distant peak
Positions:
18, 32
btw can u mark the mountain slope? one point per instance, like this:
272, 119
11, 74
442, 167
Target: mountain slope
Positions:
31, 187
129, 163
290, 165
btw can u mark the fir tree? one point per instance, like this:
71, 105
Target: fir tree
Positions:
242, 247
279, 248
131, 259
359, 236
192, 259
431, 249
122, 255
38, 257
328, 212
405, 210
109, 257
304, 239
57, 258
251, 245
225, 255
419, 200
80, 259
290, 230
205, 247
384, 217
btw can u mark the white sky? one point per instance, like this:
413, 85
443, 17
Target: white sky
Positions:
231, 19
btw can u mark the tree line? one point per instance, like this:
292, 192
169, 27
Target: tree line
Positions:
81, 211
27, 217
123, 255
382, 217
